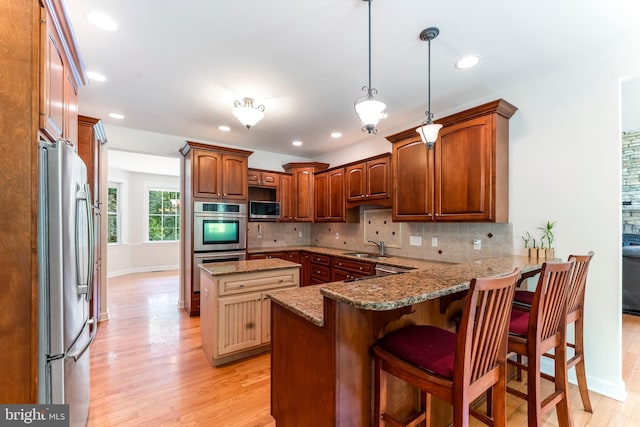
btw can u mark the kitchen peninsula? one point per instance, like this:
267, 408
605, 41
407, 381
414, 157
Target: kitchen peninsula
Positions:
321, 368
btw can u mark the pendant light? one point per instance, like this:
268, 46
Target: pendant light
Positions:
247, 113
369, 109
429, 131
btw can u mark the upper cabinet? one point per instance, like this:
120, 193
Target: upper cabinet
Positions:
60, 77
369, 181
263, 178
329, 193
217, 172
302, 208
465, 176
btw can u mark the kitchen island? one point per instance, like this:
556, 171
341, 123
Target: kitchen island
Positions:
321, 367
235, 313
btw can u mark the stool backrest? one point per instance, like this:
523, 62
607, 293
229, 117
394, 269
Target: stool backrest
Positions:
578, 282
484, 327
549, 307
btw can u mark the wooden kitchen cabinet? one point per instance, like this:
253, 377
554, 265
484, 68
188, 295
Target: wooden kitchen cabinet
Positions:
263, 178
208, 173
369, 181
329, 196
464, 178
91, 141
235, 313
305, 272
267, 255
287, 198
302, 190
344, 269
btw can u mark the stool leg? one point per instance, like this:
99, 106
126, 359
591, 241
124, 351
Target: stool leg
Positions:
581, 372
563, 408
534, 397
379, 393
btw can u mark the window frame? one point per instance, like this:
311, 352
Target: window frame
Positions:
146, 216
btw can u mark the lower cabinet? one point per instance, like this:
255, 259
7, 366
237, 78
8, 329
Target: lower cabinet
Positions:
345, 269
235, 312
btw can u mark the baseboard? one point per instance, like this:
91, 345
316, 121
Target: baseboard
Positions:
142, 270
617, 391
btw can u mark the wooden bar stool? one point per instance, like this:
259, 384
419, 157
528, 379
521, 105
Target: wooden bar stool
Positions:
456, 368
537, 330
575, 314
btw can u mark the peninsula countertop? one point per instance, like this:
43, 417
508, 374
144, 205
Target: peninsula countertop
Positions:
398, 290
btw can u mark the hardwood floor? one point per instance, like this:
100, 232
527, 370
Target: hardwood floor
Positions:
148, 369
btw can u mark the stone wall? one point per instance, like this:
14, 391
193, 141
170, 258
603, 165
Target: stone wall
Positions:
631, 181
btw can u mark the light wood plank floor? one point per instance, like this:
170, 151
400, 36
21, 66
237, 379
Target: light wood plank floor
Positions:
148, 369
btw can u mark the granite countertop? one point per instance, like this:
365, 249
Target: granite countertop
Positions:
233, 267
398, 290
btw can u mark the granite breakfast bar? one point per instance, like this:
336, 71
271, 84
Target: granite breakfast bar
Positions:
321, 368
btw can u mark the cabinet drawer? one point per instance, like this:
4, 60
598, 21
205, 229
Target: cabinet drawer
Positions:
321, 259
321, 272
364, 268
258, 281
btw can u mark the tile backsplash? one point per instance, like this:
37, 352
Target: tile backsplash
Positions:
454, 240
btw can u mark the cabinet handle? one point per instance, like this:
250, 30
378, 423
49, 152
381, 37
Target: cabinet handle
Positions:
242, 285
360, 268
218, 194
340, 264
281, 280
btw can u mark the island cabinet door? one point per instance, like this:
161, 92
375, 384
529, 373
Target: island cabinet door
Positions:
240, 322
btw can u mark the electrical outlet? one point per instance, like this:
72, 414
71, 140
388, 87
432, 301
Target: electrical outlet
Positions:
337, 235
299, 233
434, 242
415, 240
477, 244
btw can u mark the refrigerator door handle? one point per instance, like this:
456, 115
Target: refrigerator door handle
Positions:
84, 272
77, 355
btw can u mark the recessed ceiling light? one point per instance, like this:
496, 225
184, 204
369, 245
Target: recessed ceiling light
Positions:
116, 116
224, 128
297, 143
102, 21
468, 62
96, 76
336, 135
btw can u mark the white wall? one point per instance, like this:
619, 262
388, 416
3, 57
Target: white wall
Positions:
565, 166
135, 254
631, 105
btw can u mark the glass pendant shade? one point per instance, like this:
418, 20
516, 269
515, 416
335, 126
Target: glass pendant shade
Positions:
247, 113
370, 112
429, 133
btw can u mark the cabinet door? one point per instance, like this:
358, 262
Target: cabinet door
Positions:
286, 198
355, 182
207, 174
239, 322
234, 178
378, 179
53, 81
253, 178
70, 130
305, 260
293, 256
321, 183
303, 183
335, 196
269, 179
464, 171
338, 275
412, 169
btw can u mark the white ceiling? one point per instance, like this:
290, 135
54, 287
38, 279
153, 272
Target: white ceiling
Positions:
176, 67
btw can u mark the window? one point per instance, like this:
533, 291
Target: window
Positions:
114, 195
164, 215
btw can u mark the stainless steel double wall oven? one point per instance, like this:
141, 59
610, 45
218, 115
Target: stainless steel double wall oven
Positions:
219, 234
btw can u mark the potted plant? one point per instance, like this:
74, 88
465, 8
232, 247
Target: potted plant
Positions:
529, 250
547, 231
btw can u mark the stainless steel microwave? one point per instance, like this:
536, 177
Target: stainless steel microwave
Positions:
264, 210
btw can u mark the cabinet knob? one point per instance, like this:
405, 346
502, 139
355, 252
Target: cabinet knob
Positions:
281, 280
242, 285
218, 194
360, 268
340, 264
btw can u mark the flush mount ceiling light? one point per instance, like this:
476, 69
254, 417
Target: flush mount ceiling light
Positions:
116, 116
368, 109
468, 62
224, 128
95, 76
297, 143
429, 131
247, 113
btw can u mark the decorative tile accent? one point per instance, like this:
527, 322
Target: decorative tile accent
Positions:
378, 226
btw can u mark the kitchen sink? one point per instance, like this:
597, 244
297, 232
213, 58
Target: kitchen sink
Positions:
362, 255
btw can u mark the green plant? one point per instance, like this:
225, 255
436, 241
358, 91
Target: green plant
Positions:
527, 239
548, 233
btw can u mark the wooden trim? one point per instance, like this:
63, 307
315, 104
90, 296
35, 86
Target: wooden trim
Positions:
317, 165
98, 128
228, 150
499, 106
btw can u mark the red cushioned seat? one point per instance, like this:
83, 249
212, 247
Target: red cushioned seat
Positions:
519, 324
523, 298
430, 348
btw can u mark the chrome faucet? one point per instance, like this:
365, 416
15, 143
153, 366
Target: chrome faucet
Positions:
380, 245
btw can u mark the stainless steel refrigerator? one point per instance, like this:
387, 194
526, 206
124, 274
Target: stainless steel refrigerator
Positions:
65, 254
